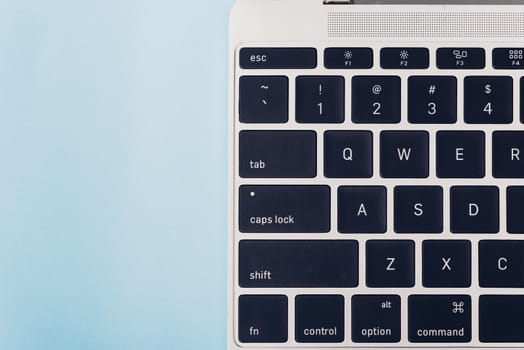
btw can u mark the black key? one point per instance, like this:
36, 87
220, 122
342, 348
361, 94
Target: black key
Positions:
488, 100
522, 100
500, 318
446, 263
508, 154
508, 58
362, 209
514, 205
418, 209
278, 154
474, 209
319, 318
348, 58
404, 154
432, 100
278, 58
375, 318
501, 264
461, 58
461, 154
439, 318
298, 264
320, 99
375, 99
262, 318
263, 99
284, 209
348, 154
404, 58
390, 263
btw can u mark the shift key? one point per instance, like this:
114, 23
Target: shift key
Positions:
284, 209
298, 264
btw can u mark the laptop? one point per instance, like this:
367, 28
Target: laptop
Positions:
376, 174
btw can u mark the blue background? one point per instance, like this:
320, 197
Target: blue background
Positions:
113, 174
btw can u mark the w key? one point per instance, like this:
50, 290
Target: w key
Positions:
404, 154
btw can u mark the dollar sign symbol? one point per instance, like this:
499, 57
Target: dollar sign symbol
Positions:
487, 89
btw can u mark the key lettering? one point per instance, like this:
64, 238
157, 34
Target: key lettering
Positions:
404, 154
362, 210
390, 265
446, 265
473, 209
418, 209
503, 264
515, 154
459, 154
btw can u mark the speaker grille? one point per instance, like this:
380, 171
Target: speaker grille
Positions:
426, 24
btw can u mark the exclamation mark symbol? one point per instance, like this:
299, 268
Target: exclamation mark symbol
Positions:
320, 89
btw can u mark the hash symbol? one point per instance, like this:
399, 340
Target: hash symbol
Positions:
432, 89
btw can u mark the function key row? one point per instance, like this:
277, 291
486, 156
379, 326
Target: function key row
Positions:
377, 318
390, 58
363, 209
403, 154
377, 99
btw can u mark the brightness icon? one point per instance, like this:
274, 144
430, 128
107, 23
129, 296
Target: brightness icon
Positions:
404, 55
348, 55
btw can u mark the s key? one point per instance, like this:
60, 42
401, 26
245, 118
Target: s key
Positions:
488, 100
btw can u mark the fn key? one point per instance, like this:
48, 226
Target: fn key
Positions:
262, 318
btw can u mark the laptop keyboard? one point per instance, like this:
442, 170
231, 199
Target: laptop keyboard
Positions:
379, 195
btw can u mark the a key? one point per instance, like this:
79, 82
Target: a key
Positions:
446, 263
263, 99
404, 154
460, 154
375, 99
362, 209
278, 58
461, 58
418, 209
439, 318
348, 58
390, 263
488, 100
500, 318
508, 58
501, 263
514, 205
320, 99
284, 209
375, 318
298, 264
474, 209
277, 154
508, 154
319, 318
432, 100
404, 58
262, 319
348, 154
